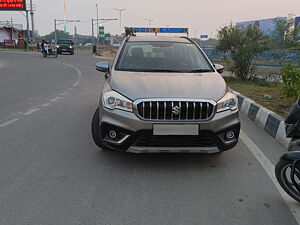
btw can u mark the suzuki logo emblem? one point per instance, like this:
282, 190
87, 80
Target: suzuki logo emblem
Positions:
176, 110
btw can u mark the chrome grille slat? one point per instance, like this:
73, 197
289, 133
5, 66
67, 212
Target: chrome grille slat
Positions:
157, 110
151, 110
200, 110
180, 111
194, 110
143, 109
187, 111
207, 110
165, 110
190, 110
172, 116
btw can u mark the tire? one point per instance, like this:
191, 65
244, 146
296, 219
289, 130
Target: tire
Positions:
55, 55
96, 130
280, 172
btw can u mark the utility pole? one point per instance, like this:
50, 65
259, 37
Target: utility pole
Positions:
149, 21
75, 34
97, 24
32, 21
93, 31
120, 17
55, 36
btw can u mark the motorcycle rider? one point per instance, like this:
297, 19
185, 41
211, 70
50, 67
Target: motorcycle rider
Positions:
43, 46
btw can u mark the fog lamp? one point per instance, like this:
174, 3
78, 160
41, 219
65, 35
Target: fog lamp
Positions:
229, 135
112, 134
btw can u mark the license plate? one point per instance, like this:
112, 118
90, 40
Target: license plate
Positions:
180, 129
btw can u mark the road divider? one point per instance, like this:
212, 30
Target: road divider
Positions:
272, 123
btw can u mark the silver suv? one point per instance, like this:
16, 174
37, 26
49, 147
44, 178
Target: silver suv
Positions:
162, 94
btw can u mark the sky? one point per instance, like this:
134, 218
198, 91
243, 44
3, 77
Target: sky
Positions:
201, 16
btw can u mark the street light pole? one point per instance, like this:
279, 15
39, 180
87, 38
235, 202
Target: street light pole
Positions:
55, 36
120, 17
93, 31
32, 20
97, 24
149, 21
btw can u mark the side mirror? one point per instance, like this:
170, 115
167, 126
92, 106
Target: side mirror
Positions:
219, 68
102, 67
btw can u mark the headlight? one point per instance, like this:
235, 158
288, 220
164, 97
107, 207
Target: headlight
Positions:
113, 100
228, 102
71, 46
57, 46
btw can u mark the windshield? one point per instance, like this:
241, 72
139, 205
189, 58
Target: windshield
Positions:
162, 57
67, 42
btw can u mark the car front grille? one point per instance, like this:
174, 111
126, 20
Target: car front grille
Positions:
175, 141
186, 110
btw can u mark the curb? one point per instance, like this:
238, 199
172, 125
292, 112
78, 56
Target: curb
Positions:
272, 123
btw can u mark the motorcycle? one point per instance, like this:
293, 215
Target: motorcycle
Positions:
49, 51
287, 170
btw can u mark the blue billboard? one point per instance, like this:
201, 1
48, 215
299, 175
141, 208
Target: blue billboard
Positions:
267, 26
297, 24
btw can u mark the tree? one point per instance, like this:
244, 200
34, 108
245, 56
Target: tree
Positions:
285, 33
243, 44
60, 35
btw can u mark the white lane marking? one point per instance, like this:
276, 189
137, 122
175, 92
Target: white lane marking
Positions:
79, 73
270, 170
35, 109
76, 84
64, 93
54, 99
46, 104
8, 122
31, 111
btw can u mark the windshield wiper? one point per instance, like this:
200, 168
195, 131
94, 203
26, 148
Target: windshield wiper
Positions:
200, 71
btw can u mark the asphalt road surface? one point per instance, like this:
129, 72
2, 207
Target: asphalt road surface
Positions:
51, 172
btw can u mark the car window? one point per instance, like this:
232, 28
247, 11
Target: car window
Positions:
162, 56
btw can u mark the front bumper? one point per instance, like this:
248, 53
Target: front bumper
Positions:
136, 135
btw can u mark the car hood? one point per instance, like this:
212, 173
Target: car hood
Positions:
137, 85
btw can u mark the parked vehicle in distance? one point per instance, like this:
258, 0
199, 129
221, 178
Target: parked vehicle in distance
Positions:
65, 46
88, 45
162, 94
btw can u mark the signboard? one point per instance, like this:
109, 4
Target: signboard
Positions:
203, 36
12, 5
266, 26
101, 31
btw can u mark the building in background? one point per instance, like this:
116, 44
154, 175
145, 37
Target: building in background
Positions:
12, 35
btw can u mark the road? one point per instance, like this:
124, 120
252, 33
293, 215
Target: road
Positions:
52, 173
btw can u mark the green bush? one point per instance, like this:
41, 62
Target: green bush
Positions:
291, 80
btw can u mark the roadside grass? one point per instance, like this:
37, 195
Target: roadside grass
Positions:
256, 89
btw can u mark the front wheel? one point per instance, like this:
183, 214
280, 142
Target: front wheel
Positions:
283, 171
96, 130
